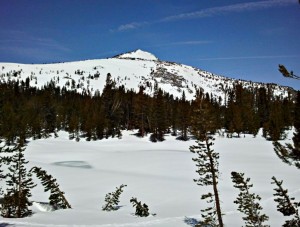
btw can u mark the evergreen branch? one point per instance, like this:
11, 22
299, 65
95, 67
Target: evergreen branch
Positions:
285, 204
286, 73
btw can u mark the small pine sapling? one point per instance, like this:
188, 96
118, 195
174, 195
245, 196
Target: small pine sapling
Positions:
141, 210
286, 205
56, 199
112, 199
248, 202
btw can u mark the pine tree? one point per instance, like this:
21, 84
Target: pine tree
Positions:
183, 121
141, 210
289, 153
207, 162
56, 199
275, 126
158, 115
112, 199
248, 202
286, 206
16, 198
207, 168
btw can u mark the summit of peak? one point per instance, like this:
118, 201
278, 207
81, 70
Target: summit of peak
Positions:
138, 54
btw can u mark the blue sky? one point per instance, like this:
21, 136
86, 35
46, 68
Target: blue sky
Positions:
244, 39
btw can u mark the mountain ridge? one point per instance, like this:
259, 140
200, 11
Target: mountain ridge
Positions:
132, 70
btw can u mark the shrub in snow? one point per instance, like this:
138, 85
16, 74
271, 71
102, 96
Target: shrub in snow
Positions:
286, 205
248, 202
112, 199
56, 199
141, 210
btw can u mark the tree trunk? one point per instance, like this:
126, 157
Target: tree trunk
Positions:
214, 178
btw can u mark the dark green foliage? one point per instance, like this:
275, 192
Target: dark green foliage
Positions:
158, 118
141, 210
19, 183
275, 126
56, 199
112, 199
289, 153
296, 139
286, 73
286, 205
28, 112
183, 115
248, 203
285, 153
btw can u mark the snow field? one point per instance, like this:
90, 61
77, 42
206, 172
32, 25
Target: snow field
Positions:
158, 174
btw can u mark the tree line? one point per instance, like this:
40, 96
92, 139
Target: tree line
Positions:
29, 112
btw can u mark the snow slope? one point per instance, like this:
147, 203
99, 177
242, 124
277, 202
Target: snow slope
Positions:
134, 69
159, 174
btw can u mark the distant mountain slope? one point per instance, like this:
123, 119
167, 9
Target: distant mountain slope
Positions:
133, 69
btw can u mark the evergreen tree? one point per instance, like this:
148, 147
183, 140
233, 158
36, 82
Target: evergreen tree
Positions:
207, 162
56, 199
286, 206
289, 153
112, 199
158, 115
248, 202
183, 121
141, 210
263, 105
207, 168
16, 198
275, 126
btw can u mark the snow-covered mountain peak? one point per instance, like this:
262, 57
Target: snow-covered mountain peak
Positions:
138, 54
131, 70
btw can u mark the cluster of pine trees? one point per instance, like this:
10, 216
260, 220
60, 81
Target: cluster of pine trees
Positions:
248, 203
31, 112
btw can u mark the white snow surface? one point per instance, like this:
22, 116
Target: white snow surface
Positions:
158, 174
139, 54
132, 70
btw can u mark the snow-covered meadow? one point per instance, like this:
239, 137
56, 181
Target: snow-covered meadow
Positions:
158, 174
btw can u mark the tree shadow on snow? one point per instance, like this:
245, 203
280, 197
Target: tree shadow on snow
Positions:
119, 206
5, 225
191, 221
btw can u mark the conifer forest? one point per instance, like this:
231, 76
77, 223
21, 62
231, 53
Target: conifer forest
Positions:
31, 112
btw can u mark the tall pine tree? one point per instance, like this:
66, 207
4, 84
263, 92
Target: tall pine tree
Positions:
207, 163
